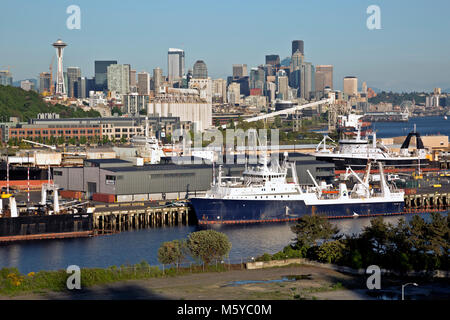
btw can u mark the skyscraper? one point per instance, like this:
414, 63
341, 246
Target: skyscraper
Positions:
273, 59
44, 82
132, 78
351, 85
200, 70
307, 80
298, 45
118, 76
157, 78
175, 64
239, 70
101, 74
282, 82
6, 78
257, 78
296, 60
60, 86
73, 77
326, 73
143, 83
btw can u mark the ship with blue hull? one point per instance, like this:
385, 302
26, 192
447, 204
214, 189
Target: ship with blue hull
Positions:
263, 194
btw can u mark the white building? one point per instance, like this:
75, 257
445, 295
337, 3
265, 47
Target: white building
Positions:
175, 64
119, 78
220, 89
96, 97
183, 103
234, 93
134, 102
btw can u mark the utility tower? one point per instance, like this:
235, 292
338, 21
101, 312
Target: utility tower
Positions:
60, 87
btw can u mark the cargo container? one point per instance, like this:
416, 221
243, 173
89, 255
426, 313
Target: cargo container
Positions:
69, 194
103, 197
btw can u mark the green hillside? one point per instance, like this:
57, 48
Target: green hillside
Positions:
16, 102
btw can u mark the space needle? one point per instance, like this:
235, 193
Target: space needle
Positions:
59, 45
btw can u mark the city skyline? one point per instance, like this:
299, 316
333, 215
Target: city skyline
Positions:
383, 58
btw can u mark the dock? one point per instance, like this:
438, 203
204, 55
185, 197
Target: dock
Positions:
117, 217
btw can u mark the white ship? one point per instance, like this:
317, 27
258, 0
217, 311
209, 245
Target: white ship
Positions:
263, 194
358, 151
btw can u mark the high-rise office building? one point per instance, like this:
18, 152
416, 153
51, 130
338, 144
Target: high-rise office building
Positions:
351, 86
274, 60
296, 60
118, 76
257, 78
143, 83
234, 93
44, 82
73, 77
200, 70
239, 70
133, 78
219, 90
298, 45
282, 82
157, 78
6, 78
175, 64
325, 79
307, 86
101, 74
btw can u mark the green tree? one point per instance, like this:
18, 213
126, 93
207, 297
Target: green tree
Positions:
331, 251
208, 245
172, 252
310, 229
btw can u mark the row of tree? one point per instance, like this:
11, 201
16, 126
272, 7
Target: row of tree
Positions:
203, 246
417, 245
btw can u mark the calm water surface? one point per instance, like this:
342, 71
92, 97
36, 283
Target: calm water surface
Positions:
134, 246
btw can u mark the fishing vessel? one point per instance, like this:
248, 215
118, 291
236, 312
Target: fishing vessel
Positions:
264, 194
357, 151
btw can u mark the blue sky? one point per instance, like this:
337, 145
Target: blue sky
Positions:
410, 52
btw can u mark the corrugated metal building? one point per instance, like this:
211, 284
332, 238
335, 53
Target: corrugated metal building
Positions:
168, 180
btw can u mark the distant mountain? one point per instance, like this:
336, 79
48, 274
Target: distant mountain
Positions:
446, 90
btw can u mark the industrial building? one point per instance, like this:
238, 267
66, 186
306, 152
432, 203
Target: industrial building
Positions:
125, 181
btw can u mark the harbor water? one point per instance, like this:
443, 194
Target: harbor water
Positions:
424, 125
132, 247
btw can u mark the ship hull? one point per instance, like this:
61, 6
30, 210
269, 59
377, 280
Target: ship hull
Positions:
45, 226
218, 211
342, 163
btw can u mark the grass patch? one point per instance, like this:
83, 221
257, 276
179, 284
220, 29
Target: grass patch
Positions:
12, 282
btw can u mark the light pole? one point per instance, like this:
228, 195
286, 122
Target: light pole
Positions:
403, 288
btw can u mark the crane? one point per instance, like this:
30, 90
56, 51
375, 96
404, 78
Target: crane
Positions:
51, 75
40, 144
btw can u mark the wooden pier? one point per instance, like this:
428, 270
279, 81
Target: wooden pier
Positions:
116, 217
431, 201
